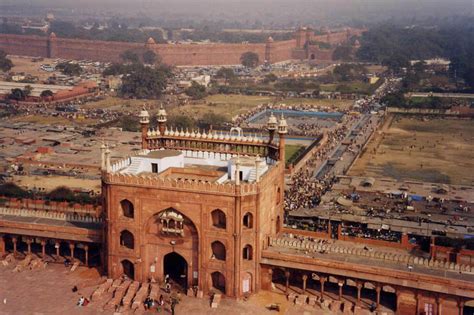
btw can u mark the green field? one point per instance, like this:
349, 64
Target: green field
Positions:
350, 87
232, 105
291, 150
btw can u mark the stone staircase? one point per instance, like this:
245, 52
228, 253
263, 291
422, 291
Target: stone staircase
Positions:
133, 167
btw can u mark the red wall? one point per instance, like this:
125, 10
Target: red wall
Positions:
24, 45
173, 54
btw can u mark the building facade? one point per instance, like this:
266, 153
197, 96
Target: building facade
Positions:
195, 206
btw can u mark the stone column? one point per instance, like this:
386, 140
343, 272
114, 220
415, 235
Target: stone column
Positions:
340, 284
43, 248
438, 300
2, 244
461, 307
359, 289
28, 242
86, 249
57, 245
287, 276
378, 288
14, 240
71, 248
417, 297
321, 281
305, 278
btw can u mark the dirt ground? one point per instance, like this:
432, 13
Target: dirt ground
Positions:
49, 291
417, 148
26, 65
54, 120
53, 182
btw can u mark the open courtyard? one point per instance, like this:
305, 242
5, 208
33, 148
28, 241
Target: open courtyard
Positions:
49, 291
419, 148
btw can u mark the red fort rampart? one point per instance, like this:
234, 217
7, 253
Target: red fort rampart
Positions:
176, 54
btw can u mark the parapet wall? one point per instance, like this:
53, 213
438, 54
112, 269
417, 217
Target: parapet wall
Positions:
200, 186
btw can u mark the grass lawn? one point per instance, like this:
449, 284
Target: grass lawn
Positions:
350, 87
290, 150
232, 105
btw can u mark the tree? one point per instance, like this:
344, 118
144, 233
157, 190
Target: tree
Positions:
196, 91
394, 100
350, 72
129, 123
181, 121
61, 193
396, 62
150, 57
46, 93
144, 82
17, 94
227, 74
271, 77
343, 52
211, 119
249, 59
27, 90
129, 56
5, 63
13, 191
71, 69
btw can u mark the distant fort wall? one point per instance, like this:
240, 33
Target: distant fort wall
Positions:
173, 54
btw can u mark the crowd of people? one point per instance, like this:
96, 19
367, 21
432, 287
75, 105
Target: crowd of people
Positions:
305, 189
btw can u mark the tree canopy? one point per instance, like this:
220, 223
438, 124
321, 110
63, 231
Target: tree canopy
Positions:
151, 58
196, 91
5, 63
249, 59
227, 74
143, 82
129, 56
71, 69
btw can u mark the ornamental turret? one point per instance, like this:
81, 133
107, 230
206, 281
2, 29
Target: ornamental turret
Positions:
161, 117
144, 124
282, 131
272, 126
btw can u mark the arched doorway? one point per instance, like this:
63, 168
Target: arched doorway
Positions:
218, 281
176, 267
312, 57
128, 269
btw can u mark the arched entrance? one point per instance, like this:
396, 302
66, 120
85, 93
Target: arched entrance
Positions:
128, 269
176, 267
218, 281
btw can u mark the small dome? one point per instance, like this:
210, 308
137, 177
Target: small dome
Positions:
52, 35
144, 113
270, 39
150, 41
283, 122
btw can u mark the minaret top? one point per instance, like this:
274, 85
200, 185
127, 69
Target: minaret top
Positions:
144, 116
272, 122
282, 126
161, 116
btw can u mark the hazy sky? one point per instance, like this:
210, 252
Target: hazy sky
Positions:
267, 11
